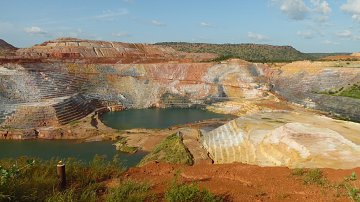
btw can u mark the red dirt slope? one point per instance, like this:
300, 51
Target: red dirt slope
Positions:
240, 182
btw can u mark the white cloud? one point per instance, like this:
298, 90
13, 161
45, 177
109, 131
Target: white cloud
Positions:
206, 24
257, 37
344, 34
294, 9
347, 34
321, 19
306, 34
121, 34
328, 42
36, 31
317, 10
352, 7
158, 23
110, 14
321, 7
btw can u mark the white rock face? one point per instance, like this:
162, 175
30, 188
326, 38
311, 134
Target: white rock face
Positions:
286, 139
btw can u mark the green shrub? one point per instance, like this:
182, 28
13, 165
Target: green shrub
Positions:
310, 176
354, 194
314, 176
353, 191
298, 171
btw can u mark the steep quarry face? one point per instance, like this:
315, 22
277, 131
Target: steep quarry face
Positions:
68, 91
62, 81
289, 139
308, 84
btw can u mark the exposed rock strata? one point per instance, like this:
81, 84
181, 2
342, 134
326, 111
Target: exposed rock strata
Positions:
46, 89
302, 83
73, 88
286, 139
88, 51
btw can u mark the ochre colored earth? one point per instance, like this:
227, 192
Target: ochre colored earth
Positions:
241, 182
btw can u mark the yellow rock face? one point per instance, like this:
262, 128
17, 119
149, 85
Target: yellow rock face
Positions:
286, 139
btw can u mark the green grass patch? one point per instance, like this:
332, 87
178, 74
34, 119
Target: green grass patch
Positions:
170, 150
352, 191
39, 181
351, 91
298, 172
310, 176
130, 191
188, 193
121, 145
315, 176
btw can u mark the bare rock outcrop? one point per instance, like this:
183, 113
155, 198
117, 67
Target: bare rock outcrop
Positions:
306, 82
286, 139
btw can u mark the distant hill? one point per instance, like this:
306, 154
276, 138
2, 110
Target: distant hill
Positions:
6, 47
249, 52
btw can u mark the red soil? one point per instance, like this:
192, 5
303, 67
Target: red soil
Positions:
240, 182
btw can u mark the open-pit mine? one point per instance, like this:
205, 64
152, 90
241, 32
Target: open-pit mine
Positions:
283, 114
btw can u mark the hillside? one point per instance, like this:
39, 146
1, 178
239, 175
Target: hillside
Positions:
249, 52
6, 47
95, 51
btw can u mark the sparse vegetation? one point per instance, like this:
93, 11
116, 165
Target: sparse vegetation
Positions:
21, 181
352, 190
189, 193
170, 150
130, 191
352, 91
249, 52
121, 145
298, 172
316, 177
310, 176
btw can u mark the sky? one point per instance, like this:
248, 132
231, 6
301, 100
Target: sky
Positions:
307, 25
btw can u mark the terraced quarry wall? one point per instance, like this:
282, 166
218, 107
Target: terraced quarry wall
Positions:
60, 82
303, 82
72, 91
73, 87
86, 74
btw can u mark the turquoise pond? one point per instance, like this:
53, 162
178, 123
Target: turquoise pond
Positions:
156, 118
85, 151
62, 149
